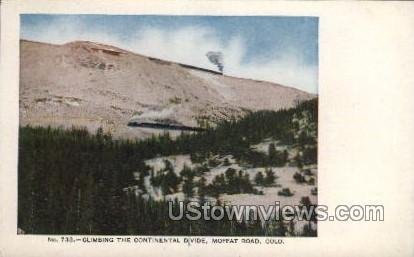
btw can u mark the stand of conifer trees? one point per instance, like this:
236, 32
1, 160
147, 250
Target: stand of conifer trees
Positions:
74, 182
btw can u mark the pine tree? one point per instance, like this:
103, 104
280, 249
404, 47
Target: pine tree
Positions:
259, 179
270, 177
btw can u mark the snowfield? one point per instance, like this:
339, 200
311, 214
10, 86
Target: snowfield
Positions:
284, 179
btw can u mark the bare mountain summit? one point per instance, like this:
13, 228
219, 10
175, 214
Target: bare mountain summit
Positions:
95, 85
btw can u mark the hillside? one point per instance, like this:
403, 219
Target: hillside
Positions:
94, 85
75, 182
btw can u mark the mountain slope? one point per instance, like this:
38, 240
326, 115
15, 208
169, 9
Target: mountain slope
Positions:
95, 85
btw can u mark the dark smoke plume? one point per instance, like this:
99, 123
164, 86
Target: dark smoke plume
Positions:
217, 59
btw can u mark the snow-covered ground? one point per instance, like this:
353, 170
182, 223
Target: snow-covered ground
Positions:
284, 179
177, 161
270, 196
217, 171
263, 147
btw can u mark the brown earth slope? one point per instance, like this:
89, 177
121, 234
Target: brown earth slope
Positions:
94, 85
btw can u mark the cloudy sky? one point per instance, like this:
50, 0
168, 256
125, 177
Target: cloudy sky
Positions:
278, 49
